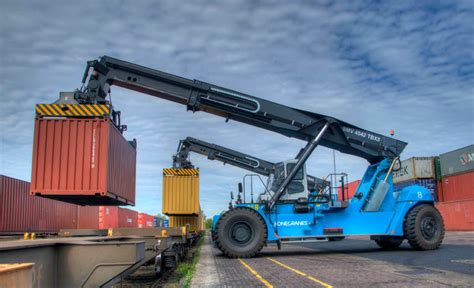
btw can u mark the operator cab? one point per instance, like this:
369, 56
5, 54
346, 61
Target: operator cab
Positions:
298, 188
303, 188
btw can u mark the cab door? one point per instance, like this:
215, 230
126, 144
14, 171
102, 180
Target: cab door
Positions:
298, 186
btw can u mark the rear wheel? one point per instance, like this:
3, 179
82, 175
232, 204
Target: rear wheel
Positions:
424, 227
389, 243
241, 233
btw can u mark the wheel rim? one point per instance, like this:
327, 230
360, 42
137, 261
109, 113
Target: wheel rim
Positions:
429, 227
241, 233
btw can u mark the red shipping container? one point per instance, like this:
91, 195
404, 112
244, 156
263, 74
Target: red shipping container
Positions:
87, 217
83, 161
458, 187
457, 215
127, 218
351, 189
20, 212
145, 220
108, 217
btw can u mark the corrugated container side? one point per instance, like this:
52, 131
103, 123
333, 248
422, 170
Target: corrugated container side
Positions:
108, 217
202, 221
127, 218
457, 161
180, 195
457, 215
21, 212
88, 217
351, 189
458, 187
123, 158
415, 168
82, 161
182, 221
145, 220
429, 184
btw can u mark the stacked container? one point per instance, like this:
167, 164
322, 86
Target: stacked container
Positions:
457, 171
457, 188
146, 220
416, 171
192, 223
127, 218
20, 212
181, 198
87, 217
158, 221
108, 217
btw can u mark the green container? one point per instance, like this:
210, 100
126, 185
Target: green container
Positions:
437, 164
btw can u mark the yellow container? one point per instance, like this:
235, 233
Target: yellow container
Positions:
16, 275
192, 222
202, 222
180, 192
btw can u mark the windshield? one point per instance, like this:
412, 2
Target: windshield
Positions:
299, 174
296, 186
278, 176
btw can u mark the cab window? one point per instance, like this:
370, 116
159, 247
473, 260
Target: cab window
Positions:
299, 175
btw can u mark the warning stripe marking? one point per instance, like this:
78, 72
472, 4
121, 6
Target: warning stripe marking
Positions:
73, 110
77, 111
180, 172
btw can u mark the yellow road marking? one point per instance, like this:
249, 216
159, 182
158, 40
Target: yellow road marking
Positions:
300, 273
265, 282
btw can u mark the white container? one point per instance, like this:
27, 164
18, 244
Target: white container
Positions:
415, 168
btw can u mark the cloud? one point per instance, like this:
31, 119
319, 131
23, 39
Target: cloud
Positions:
401, 65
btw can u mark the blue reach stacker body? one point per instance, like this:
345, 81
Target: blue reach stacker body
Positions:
323, 221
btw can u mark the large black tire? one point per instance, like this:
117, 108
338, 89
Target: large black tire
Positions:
389, 243
241, 233
335, 239
424, 227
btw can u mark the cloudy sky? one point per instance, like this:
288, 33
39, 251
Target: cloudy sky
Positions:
402, 66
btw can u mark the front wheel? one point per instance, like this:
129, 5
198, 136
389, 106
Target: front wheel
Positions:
424, 227
241, 233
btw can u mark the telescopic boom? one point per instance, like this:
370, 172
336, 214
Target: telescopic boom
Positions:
233, 105
234, 158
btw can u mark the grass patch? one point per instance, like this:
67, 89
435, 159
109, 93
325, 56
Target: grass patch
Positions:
186, 269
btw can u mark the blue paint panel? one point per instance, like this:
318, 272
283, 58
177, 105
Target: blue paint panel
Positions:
283, 222
214, 221
429, 184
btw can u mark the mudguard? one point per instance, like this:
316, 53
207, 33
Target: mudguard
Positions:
408, 198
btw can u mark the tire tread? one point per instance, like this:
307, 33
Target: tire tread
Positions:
249, 254
410, 227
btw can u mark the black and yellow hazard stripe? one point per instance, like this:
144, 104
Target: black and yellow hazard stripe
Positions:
73, 110
180, 172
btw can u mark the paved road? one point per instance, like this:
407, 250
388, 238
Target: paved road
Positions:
348, 263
